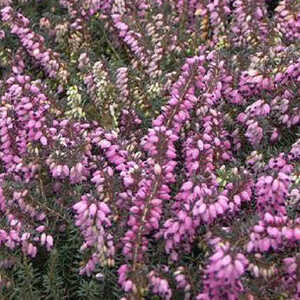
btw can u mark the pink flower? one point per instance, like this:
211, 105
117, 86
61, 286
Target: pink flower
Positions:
128, 285
44, 141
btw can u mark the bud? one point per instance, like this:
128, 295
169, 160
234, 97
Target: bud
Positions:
157, 169
200, 145
43, 239
99, 276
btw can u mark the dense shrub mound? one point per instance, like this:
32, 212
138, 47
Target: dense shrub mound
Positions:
149, 149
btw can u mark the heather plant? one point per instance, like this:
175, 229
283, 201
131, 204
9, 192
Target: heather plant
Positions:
150, 149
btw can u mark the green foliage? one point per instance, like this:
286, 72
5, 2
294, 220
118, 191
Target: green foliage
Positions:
55, 275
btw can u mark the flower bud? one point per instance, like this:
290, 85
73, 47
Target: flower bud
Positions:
157, 169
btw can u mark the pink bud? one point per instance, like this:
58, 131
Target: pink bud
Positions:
268, 179
174, 228
265, 244
164, 287
134, 209
121, 26
43, 239
66, 170
103, 207
200, 145
28, 106
268, 218
226, 260
237, 200
218, 255
275, 185
93, 209
256, 271
128, 286
40, 228
259, 12
272, 231
245, 195
242, 117
58, 170
195, 153
239, 267
25, 236
219, 208
258, 228
157, 169
207, 137
274, 135
297, 233
31, 250
128, 180
80, 206
250, 246
105, 144
287, 233
223, 201
212, 211
187, 186
49, 241
38, 135
202, 208
43, 141
79, 168
266, 83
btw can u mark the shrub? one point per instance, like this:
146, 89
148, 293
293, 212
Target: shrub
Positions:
150, 149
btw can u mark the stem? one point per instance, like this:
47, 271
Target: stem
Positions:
139, 237
111, 46
188, 83
45, 199
28, 279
